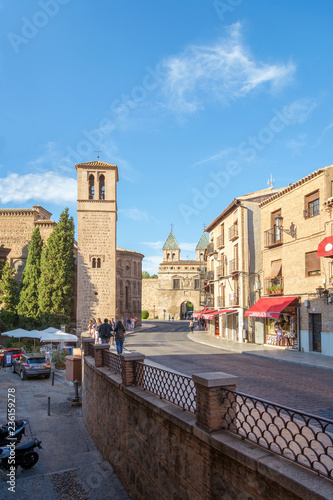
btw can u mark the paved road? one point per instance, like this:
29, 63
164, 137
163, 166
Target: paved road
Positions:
69, 466
304, 388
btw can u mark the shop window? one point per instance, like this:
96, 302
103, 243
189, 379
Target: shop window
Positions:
176, 284
312, 264
311, 205
91, 187
101, 187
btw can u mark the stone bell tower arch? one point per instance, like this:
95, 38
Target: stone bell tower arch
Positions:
97, 221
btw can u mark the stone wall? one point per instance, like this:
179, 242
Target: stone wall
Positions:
150, 296
158, 451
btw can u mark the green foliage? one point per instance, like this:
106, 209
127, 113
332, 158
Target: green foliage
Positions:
59, 358
57, 270
28, 305
9, 295
189, 306
147, 276
145, 315
31, 347
12, 343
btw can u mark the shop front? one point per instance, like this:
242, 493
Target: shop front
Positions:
219, 321
281, 320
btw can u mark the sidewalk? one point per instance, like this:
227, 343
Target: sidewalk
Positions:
312, 359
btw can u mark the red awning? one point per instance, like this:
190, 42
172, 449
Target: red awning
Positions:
204, 311
270, 307
216, 313
325, 247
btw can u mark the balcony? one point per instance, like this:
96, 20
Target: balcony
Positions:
233, 232
210, 275
206, 300
307, 214
274, 286
210, 248
220, 302
233, 299
221, 271
233, 266
273, 237
220, 241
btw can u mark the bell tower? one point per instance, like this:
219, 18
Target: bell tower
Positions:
97, 221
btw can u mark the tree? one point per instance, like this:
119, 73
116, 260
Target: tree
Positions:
9, 294
146, 275
57, 270
28, 305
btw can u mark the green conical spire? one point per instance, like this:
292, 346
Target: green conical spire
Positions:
171, 242
203, 242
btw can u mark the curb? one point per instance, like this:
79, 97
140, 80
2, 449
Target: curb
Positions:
301, 363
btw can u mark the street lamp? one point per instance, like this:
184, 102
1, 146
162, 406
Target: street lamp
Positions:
292, 229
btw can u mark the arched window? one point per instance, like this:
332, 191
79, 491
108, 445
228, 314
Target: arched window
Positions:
101, 187
168, 256
94, 262
173, 255
91, 187
98, 262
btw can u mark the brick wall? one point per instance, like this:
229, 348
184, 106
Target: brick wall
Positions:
159, 452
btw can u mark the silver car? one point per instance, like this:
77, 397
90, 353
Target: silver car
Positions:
31, 365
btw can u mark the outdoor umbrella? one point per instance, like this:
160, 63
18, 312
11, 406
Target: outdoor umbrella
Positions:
57, 336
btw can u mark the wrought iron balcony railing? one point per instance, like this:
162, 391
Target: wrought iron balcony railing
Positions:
210, 248
233, 232
220, 241
210, 275
221, 271
233, 299
274, 286
233, 266
273, 237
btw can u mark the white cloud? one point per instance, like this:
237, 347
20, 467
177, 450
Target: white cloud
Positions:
220, 72
47, 186
322, 135
151, 264
297, 144
154, 245
189, 247
134, 213
299, 110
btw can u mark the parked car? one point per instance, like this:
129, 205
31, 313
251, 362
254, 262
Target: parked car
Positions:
14, 351
31, 365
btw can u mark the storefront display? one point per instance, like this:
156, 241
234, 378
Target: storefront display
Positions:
282, 331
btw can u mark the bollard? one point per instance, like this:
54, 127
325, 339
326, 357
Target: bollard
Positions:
53, 378
49, 405
76, 391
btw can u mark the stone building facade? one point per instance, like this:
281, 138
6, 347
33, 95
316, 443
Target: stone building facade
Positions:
293, 224
178, 283
107, 280
16, 228
129, 284
234, 266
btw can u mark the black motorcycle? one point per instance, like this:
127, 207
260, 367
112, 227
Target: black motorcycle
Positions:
23, 455
7, 435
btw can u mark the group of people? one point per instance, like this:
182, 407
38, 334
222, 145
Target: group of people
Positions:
130, 323
108, 332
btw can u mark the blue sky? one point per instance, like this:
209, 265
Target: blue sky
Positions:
197, 102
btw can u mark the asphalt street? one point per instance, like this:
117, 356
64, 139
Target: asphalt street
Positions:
300, 387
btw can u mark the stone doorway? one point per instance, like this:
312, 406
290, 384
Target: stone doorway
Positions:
185, 309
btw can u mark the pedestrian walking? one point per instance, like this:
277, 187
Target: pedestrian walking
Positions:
132, 323
191, 325
105, 332
119, 335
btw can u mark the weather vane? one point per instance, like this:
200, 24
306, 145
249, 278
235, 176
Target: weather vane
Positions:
98, 151
171, 227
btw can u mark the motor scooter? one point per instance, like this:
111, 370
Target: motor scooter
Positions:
23, 455
7, 435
